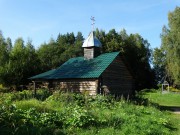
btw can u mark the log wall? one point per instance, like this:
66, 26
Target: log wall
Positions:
117, 78
89, 86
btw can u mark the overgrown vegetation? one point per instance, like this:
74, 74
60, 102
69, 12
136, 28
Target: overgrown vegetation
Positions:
70, 113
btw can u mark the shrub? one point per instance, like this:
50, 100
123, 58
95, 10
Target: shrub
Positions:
18, 121
77, 116
172, 89
3, 89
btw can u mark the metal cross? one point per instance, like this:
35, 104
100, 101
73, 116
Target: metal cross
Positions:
93, 20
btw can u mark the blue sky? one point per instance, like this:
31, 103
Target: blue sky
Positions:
40, 20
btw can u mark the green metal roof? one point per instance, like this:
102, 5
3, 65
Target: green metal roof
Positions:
43, 75
80, 68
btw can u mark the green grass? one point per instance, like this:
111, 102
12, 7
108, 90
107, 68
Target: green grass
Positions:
33, 103
166, 99
176, 121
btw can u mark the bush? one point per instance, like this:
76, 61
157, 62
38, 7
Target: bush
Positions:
77, 116
18, 121
172, 89
4, 90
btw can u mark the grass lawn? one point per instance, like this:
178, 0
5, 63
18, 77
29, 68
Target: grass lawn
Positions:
167, 101
176, 121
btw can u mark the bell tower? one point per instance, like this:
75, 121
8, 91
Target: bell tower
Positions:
92, 46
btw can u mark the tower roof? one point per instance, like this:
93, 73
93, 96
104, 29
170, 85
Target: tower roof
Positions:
92, 41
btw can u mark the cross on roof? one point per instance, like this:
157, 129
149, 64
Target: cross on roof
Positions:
93, 22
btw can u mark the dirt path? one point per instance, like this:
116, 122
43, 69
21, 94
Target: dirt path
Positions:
176, 112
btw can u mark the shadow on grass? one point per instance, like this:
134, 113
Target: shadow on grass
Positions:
170, 108
140, 100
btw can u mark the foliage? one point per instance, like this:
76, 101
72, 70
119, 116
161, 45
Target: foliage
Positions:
3, 89
172, 89
159, 63
170, 46
4, 52
57, 52
22, 60
69, 113
18, 121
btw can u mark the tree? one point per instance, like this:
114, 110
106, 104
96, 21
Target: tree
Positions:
170, 44
12, 72
78, 50
32, 66
50, 56
9, 44
137, 53
79, 37
53, 54
101, 35
159, 63
22, 64
4, 53
4, 57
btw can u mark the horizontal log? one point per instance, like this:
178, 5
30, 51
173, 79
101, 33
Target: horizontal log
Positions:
77, 85
80, 82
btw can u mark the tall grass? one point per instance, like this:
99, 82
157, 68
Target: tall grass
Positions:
33, 103
41, 94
